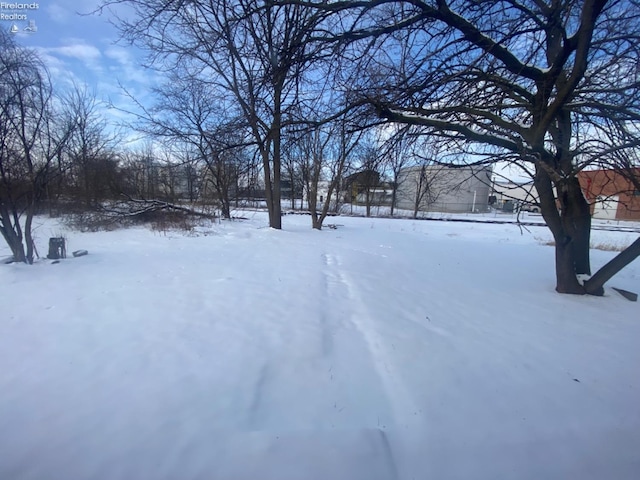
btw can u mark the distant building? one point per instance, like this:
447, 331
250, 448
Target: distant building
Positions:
521, 195
366, 188
611, 195
441, 188
321, 194
380, 195
359, 183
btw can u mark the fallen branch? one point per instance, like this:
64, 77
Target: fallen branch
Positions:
133, 207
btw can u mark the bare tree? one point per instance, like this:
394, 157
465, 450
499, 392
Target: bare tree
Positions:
294, 170
418, 187
30, 140
254, 52
186, 117
552, 86
90, 148
369, 158
397, 153
189, 165
423, 191
224, 169
324, 154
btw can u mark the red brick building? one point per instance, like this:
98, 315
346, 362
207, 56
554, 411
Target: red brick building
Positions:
611, 195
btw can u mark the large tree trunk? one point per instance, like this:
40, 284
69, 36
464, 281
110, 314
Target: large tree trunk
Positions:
15, 244
17, 249
579, 227
571, 230
225, 209
566, 279
13, 236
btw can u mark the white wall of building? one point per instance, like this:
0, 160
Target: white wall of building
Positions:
444, 188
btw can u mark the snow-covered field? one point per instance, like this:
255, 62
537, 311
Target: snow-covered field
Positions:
384, 349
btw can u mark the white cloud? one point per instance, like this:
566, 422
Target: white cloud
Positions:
127, 67
72, 52
77, 49
120, 55
57, 67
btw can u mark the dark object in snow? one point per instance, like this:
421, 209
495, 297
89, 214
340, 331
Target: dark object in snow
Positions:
8, 260
627, 294
80, 253
57, 248
576, 380
55, 261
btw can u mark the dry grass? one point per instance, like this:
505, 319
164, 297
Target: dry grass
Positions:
163, 221
606, 247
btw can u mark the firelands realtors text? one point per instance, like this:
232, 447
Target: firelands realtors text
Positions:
14, 8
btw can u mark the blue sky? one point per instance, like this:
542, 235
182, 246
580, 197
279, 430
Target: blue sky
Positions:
82, 48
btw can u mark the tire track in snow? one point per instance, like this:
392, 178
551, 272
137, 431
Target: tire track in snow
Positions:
325, 322
359, 320
388, 455
256, 401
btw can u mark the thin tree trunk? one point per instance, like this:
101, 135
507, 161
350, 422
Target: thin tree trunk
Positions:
393, 197
312, 189
28, 237
336, 205
595, 284
268, 186
275, 220
327, 202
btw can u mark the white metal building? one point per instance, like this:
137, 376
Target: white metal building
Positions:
441, 188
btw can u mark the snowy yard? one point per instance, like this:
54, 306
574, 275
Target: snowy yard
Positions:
384, 349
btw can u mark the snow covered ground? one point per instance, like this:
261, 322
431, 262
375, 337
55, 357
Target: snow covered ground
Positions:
384, 349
